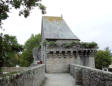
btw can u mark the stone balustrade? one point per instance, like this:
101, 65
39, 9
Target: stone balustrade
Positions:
86, 76
32, 76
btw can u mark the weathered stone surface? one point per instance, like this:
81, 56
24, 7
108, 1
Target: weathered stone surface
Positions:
36, 54
12, 69
87, 76
58, 64
59, 79
29, 77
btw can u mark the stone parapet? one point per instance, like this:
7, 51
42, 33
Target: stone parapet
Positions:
32, 76
12, 69
81, 51
86, 76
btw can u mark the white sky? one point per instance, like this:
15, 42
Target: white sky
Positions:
90, 20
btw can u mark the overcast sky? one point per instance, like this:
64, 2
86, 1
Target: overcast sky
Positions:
90, 20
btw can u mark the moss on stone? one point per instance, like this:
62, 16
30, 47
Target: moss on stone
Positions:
53, 18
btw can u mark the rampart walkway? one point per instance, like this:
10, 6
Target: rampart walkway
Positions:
35, 76
59, 79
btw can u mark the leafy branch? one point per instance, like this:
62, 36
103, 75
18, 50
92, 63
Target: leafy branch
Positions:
24, 6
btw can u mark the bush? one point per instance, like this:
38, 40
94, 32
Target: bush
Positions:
67, 45
102, 59
75, 43
88, 45
92, 45
52, 43
84, 44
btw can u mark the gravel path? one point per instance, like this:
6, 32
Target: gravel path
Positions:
59, 79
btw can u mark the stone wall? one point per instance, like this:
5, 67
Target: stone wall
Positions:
12, 69
29, 77
58, 63
86, 76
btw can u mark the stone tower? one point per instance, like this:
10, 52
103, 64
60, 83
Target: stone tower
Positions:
60, 47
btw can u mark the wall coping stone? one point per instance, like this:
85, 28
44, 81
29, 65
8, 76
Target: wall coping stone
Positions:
94, 69
17, 73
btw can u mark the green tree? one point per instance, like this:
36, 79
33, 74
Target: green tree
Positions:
24, 7
108, 50
9, 48
102, 59
33, 41
1, 58
27, 57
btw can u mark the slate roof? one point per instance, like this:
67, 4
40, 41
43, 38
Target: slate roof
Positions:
56, 28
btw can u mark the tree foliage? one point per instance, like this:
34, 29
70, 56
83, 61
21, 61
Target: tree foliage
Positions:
102, 59
24, 6
9, 48
1, 58
32, 42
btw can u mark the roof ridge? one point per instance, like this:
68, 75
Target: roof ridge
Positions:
52, 16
